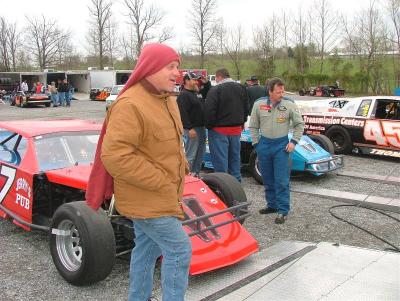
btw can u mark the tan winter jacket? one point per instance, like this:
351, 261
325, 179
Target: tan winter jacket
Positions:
142, 150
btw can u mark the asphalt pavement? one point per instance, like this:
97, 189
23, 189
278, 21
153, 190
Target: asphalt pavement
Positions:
27, 271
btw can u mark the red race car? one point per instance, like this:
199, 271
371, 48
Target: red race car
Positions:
44, 169
21, 99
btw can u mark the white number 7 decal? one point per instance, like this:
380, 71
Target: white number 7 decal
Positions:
9, 173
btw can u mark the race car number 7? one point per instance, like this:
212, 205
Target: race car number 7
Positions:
9, 174
383, 132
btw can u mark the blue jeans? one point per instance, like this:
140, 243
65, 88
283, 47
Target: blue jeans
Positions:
195, 148
155, 237
274, 167
54, 99
225, 153
61, 98
68, 98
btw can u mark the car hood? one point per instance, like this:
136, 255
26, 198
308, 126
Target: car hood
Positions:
74, 176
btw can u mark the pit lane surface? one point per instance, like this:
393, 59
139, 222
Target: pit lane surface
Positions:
27, 271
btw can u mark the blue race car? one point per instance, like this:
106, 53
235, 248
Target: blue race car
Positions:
313, 154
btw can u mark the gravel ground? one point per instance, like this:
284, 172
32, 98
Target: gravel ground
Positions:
27, 271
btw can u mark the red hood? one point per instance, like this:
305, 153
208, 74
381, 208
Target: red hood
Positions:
74, 176
78, 176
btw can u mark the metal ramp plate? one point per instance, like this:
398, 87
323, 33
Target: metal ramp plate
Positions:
392, 180
363, 200
207, 286
308, 271
329, 273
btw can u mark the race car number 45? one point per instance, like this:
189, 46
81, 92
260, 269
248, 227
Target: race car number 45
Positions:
383, 132
9, 174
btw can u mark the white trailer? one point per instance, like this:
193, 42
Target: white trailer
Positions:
101, 78
80, 80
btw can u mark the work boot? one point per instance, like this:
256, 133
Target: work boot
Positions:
267, 210
280, 219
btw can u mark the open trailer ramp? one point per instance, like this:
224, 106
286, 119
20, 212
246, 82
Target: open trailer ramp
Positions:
304, 271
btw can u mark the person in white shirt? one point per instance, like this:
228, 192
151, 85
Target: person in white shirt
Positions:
24, 86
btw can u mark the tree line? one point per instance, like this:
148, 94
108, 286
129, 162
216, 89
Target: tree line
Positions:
305, 46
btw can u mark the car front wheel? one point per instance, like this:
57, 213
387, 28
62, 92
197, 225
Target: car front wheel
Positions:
228, 189
82, 243
323, 142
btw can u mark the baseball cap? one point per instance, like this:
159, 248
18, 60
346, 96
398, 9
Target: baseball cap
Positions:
253, 78
191, 75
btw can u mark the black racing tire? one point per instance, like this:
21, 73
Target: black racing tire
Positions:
254, 168
323, 142
47, 105
86, 254
228, 189
340, 138
302, 92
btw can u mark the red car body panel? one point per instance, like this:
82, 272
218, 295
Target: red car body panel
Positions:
76, 176
30, 128
232, 244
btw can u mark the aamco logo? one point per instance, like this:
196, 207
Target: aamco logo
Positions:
23, 187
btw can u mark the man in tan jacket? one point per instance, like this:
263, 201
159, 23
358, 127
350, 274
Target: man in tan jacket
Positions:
143, 152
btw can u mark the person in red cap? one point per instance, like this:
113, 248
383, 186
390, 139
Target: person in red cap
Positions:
141, 148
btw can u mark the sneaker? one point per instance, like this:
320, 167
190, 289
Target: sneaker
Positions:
267, 210
280, 219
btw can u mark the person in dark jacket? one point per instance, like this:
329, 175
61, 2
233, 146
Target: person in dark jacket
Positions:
226, 111
61, 93
255, 91
191, 107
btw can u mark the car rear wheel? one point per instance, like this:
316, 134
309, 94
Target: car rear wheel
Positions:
82, 243
228, 189
340, 138
323, 142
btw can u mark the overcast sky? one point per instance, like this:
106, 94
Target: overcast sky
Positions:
73, 14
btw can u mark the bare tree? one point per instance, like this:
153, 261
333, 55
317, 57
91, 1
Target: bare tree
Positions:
4, 44
112, 40
284, 23
393, 8
100, 11
266, 41
367, 37
44, 37
220, 36
146, 22
234, 48
64, 53
203, 26
14, 42
325, 29
128, 47
300, 38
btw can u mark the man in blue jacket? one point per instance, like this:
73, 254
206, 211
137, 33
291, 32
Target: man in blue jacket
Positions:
271, 119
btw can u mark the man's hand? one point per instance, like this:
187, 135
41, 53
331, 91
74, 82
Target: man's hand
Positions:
192, 133
290, 147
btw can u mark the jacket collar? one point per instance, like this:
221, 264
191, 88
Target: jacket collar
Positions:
153, 90
225, 80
